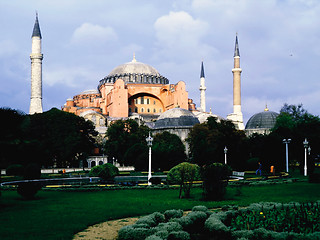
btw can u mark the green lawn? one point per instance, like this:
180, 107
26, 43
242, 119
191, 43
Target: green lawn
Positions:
58, 215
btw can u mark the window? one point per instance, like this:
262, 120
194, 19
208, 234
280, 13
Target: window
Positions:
136, 109
160, 110
136, 101
154, 102
148, 101
142, 109
142, 100
154, 110
148, 110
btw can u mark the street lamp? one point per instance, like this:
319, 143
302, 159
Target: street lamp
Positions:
225, 154
287, 141
149, 143
305, 144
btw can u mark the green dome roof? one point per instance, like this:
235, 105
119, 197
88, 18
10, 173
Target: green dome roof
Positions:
262, 120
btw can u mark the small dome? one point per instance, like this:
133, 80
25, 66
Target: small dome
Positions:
262, 120
176, 117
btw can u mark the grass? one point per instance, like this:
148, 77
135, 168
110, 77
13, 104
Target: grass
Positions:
59, 215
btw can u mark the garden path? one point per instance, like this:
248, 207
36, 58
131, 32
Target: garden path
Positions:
106, 230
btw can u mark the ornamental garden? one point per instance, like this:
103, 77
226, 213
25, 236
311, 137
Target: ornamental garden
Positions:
194, 195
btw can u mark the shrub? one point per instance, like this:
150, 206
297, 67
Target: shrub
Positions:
180, 235
184, 221
314, 178
173, 214
132, 233
215, 178
14, 170
198, 219
28, 189
152, 220
155, 180
168, 227
184, 174
154, 237
106, 171
200, 208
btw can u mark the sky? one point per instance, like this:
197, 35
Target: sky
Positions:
84, 40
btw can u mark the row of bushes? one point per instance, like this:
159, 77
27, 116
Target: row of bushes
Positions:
169, 225
203, 224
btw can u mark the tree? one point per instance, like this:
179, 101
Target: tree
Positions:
207, 141
106, 171
167, 151
11, 137
215, 180
59, 138
29, 189
296, 123
121, 136
184, 174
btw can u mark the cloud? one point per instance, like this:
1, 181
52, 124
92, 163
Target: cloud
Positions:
179, 34
89, 34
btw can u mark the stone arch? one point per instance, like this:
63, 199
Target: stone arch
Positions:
141, 102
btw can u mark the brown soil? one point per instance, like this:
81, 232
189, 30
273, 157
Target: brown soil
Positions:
106, 231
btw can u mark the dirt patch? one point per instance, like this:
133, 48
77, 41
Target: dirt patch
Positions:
106, 231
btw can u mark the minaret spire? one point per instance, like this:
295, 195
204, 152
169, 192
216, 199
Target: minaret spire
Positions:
236, 117
236, 48
36, 70
202, 90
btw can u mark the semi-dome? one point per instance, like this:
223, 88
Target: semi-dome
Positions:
262, 121
176, 117
135, 72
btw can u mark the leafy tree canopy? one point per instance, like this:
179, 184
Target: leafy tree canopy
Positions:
207, 142
61, 137
167, 151
121, 136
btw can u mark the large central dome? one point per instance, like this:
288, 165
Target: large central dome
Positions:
134, 67
135, 72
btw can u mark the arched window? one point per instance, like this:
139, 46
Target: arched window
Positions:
148, 110
142, 109
154, 110
160, 110
136, 109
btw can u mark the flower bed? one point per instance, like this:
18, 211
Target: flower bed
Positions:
258, 221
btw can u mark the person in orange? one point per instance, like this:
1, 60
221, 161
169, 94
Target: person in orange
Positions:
63, 171
272, 170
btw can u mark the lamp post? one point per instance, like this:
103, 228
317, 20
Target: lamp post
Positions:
225, 154
287, 141
149, 143
305, 144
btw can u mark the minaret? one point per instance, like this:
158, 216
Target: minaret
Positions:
36, 70
202, 90
236, 116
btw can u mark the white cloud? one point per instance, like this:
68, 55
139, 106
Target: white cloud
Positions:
90, 34
179, 29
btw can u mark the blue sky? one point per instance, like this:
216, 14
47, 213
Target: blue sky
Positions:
82, 41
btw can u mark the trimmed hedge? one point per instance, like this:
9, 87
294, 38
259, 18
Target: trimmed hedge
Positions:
203, 224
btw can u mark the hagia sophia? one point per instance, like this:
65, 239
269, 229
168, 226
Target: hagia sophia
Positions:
137, 90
